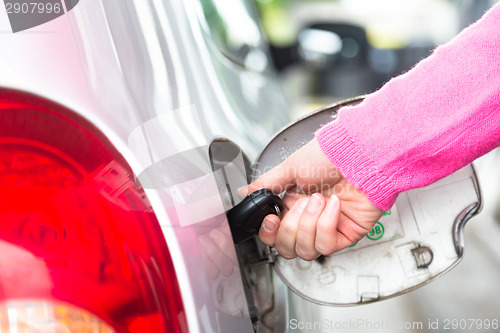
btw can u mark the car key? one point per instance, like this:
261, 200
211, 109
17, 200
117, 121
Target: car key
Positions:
246, 217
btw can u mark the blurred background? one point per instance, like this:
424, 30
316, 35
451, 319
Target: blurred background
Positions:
329, 50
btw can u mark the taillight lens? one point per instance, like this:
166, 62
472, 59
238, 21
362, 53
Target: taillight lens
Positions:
38, 316
76, 231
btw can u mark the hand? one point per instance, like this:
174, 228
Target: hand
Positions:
323, 214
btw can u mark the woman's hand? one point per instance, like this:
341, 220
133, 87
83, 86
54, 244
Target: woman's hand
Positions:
323, 214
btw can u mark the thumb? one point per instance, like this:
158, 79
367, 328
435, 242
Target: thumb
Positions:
278, 179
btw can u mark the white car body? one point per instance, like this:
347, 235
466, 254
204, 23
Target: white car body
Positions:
152, 77
147, 75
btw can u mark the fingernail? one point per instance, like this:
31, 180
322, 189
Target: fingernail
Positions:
302, 204
242, 192
314, 203
333, 201
269, 225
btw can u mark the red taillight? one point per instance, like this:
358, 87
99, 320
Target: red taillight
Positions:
74, 226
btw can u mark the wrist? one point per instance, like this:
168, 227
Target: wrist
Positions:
357, 168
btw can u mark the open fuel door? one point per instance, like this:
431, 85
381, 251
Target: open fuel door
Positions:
418, 239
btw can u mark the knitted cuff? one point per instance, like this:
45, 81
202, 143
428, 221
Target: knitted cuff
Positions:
359, 170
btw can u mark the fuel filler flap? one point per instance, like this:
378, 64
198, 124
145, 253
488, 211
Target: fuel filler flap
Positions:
420, 238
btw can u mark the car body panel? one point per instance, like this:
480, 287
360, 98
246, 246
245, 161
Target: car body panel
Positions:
146, 75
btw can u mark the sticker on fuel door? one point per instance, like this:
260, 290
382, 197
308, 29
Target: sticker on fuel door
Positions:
377, 232
386, 229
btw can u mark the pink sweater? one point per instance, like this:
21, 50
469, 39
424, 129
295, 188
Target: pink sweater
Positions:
426, 123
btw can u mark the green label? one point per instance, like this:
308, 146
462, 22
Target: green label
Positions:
377, 232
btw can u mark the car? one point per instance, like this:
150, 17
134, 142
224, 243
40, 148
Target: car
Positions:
126, 128
93, 103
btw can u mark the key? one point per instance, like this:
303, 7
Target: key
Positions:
246, 217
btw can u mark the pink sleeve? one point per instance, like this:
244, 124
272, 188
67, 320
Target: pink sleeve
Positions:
426, 123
